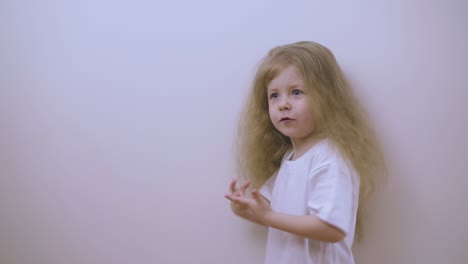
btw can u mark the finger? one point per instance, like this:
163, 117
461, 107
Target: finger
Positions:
228, 196
242, 189
238, 199
232, 186
258, 196
231, 197
255, 194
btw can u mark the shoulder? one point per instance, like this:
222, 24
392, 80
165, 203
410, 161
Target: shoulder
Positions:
327, 157
324, 153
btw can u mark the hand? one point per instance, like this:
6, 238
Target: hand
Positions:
237, 192
255, 208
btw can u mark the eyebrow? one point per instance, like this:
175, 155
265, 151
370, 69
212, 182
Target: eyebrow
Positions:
289, 87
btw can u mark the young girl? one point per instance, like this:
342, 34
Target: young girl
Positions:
305, 143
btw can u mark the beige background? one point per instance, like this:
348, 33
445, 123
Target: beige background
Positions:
117, 120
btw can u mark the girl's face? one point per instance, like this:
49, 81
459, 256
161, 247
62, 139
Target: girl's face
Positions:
290, 105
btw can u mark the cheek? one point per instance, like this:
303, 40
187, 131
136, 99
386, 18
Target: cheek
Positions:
308, 114
311, 117
273, 116
270, 110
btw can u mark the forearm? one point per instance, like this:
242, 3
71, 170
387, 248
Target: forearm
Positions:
308, 226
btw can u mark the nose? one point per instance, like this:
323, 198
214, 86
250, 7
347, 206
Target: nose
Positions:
284, 105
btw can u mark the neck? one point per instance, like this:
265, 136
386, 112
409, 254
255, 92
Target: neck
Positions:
302, 145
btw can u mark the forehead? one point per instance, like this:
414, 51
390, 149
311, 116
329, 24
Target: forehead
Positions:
288, 77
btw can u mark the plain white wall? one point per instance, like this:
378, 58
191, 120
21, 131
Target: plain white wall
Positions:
117, 121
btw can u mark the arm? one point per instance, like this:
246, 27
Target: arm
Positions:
257, 209
308, 226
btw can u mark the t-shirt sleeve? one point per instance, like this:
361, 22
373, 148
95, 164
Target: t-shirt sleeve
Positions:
267, 188
330, 196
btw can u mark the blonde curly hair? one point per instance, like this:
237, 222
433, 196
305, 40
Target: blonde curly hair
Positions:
339, 118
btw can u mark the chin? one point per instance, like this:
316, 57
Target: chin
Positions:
291, 134
296, 135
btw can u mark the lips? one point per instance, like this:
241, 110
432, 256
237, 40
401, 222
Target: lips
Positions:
284, 119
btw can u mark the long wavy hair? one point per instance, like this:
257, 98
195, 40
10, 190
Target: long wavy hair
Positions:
338, 117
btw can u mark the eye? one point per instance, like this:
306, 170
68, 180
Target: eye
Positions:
296, 92
274, 95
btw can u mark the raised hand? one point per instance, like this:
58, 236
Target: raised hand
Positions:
255, 208
239, 192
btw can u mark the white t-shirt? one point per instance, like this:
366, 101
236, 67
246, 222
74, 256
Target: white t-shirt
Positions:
320, 183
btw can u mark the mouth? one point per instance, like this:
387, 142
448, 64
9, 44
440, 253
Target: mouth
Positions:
285, 119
